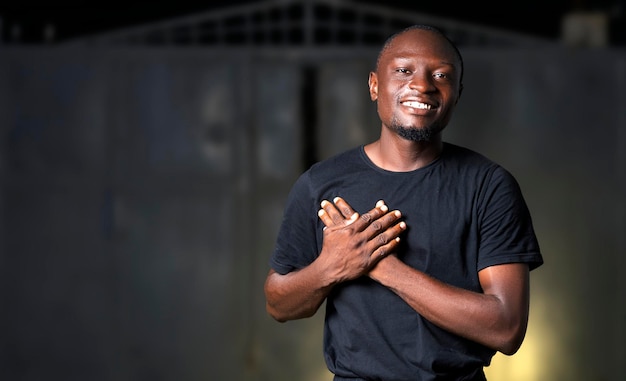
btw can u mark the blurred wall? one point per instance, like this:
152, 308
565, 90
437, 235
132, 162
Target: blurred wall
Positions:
142, 190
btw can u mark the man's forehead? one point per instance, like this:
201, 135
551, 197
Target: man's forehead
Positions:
420, 42
401, 58
419, 37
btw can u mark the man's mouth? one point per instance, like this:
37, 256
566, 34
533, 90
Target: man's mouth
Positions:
415, 104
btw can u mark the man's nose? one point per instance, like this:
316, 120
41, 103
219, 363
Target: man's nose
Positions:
421, 82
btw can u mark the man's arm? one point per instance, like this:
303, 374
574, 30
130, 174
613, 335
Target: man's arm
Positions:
351, 247
496, 318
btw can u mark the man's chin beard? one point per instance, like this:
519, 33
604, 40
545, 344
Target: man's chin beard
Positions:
416, 134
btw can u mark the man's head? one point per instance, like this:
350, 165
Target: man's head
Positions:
417, 82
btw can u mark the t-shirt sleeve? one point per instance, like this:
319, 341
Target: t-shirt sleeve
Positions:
296, 243
506, 230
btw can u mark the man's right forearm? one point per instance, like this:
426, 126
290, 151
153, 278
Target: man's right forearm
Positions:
295, 295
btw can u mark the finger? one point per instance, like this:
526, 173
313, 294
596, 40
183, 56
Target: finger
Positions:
325, 218
345, 208
388, 239
349, 214
384, 250
383, 223
335, 218
377, 220
366, 219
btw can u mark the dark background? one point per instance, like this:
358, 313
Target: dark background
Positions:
141, 186
534, 17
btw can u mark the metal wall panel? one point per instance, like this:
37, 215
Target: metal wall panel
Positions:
142, 191
132, 180
55, 267
347, 115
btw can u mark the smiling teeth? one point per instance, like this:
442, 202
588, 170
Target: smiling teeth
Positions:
417, 105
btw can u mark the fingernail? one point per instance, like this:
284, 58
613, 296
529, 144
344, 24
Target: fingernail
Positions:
379, 203
336, 199
324, 202
397, 213
384, 208
403, 225
320, 212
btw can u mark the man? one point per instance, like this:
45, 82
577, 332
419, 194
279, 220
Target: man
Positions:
430, 289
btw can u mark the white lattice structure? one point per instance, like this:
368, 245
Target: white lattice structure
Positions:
308, 23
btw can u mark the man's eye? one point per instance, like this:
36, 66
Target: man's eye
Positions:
403, 70
440, 75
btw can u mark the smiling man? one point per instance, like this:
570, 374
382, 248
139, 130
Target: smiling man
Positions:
421, 249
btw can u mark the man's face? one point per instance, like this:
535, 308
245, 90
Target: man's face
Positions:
417, 84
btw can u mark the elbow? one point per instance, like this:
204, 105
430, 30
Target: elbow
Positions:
271, 300
283, 304
510, 348
273, 307
282, 316
274, 314
511, 340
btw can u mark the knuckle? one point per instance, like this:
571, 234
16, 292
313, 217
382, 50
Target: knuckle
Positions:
366, 217
391, 218
376, 225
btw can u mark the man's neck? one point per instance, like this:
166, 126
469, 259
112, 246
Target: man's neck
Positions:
396, 154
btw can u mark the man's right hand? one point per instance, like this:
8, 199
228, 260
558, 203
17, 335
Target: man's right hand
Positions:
353, 244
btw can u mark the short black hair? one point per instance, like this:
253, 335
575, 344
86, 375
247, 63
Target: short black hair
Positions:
423, 27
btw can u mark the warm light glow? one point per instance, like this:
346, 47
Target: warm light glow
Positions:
531, 362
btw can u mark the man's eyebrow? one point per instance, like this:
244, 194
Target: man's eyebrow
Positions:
448, 63
401, 58
410, 58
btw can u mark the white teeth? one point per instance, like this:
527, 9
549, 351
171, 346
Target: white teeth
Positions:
417, 105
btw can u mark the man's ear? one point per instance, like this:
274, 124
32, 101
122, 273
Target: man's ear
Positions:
373, 86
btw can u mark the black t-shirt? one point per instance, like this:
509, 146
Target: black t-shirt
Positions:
463, 213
